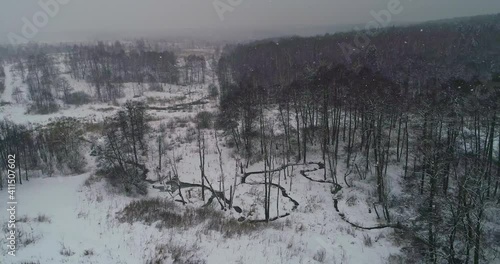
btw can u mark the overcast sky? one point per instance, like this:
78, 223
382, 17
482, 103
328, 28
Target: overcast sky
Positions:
173, 15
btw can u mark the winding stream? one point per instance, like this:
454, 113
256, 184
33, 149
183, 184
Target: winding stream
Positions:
176, 185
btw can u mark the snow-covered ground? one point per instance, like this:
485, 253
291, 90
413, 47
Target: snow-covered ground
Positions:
83, 218
95, 112
81, 224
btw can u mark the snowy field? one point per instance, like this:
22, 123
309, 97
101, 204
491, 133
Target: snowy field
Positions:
71, 219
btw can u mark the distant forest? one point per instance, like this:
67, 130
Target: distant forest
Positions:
423, 98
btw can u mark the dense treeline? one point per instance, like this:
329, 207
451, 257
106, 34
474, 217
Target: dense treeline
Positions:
10, 52
446, 50
418, 107
2, 78
40, 74
194, 69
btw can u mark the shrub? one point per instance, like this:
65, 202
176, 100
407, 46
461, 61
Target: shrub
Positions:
168, 215
367, 240
178, 122
224, 122
23, 219
130, 186
213, 91
41, 218
66, 251
230, 227
352, 201
75, 165
150, 211
177, 253
350, 231
91, 180
24, 239
88, 252
155, 87
204, 120
379, 236
182, 253
395, 259
320, 255
77, 98
191, 135
49, 108
300, 228
495, 77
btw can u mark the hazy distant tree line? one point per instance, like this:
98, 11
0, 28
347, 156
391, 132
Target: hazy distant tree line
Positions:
2, 78
41, 76
41, 73
423, 99
107, 67
194, 70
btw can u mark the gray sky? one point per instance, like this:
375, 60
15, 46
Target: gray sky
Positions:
98, 16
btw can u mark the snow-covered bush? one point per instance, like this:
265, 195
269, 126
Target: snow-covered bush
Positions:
66, 251
50, 107
166, 214
204, 120
2, 86
155, 87
174, 252
149, 211
231, 227
41, 218
77, 98
88, 252
367, 240
213, 91
320, 255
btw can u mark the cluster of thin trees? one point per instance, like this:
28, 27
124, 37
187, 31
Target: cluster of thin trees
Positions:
436, 136
121, 155
108, 67
55, 147
41, 73
2, 78
194, 70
